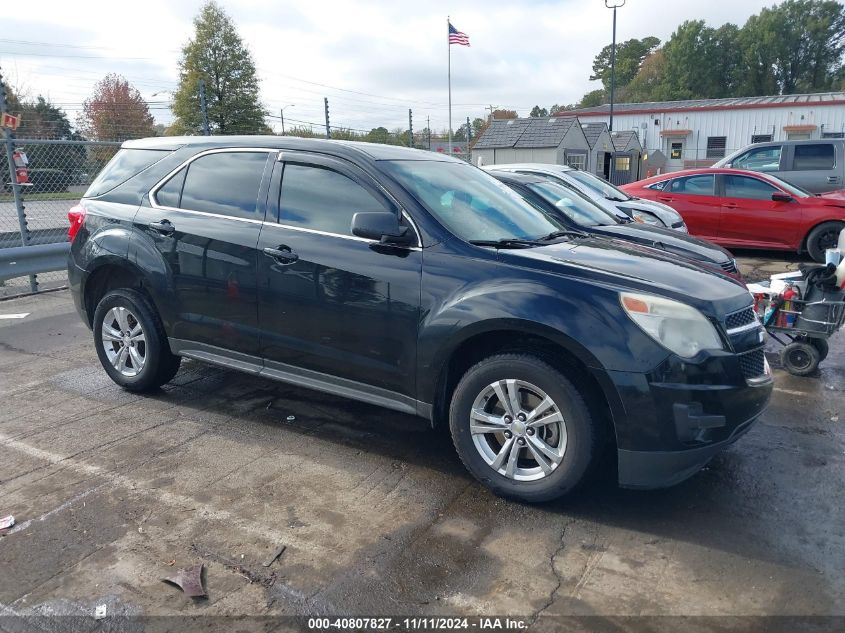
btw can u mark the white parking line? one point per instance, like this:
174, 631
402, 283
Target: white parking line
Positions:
792, 392
20, 315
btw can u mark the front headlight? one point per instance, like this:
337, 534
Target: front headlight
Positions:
676, 326
647, 218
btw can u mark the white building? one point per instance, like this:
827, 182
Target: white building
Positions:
698, 133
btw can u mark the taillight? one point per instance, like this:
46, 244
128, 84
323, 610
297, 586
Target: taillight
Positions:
76, 217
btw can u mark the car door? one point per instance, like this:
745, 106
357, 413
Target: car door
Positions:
750, 216
333, 306
696, 199
205, 221
816, 167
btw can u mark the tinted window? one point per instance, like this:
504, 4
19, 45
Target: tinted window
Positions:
225, 183
125, 164
810, 157
759, 159
694, 185
749, 188
321, 199
170, 192
657, 186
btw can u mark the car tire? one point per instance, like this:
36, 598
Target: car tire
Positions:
131, 343
822, 237
478, 420
800, 358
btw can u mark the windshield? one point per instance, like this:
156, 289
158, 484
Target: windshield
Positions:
795, 190
469, 202
601, 187
575, 206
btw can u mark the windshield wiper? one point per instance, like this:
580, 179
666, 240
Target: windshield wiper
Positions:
567, 233
507, 242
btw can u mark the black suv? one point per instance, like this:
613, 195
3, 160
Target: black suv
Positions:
420, 283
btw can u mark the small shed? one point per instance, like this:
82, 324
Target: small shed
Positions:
627, 157
554, 140
601, 149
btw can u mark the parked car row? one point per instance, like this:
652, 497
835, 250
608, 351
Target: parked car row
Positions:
538, 327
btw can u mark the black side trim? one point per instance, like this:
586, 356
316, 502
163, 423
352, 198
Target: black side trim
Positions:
301, 377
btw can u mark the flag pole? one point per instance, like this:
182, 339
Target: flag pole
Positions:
449, 48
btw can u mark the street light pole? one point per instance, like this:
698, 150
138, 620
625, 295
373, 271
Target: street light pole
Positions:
613, 4
282, 115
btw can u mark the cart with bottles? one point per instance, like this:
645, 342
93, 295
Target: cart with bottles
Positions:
801, 316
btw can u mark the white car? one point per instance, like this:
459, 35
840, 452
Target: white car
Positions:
606, 195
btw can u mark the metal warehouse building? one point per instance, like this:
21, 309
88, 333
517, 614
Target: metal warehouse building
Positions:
700, 132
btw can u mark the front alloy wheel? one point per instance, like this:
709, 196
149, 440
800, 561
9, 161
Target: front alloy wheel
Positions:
522, 428
518, 430
123, 341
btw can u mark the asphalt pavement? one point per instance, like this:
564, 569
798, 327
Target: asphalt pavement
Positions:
113, 492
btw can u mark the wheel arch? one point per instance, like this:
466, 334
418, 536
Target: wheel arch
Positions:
803, 246
110, 273
512, 336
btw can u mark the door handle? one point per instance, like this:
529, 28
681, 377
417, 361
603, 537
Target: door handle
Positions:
164, 227
730, 205
833, 179
665, 198
282, 255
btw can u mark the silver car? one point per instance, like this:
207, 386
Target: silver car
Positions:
606, 195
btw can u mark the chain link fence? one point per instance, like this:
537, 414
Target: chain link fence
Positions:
35, 213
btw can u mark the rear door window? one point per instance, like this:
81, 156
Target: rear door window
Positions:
226, 183
170, 193
123, 166
814, 157
703, 185
321, 199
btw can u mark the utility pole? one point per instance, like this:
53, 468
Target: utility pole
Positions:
204, 109
328, 129
8, 141
410, 127
613, 4
428, 131
492, 109
282, 115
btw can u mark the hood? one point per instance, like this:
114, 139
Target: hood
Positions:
632, 267
669, 241
830, 199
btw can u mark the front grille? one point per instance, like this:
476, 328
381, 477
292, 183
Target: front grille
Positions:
753, 364
738, 319
729, 266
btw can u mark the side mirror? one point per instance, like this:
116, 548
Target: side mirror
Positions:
780, 196
382, 226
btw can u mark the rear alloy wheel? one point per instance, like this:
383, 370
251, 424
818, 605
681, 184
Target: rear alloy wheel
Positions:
131, 343
823, 237
521, 428
800, 358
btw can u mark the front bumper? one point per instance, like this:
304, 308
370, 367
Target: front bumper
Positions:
678, 417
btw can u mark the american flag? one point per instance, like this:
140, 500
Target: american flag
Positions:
456, 37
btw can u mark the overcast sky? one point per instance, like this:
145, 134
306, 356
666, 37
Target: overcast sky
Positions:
523, 53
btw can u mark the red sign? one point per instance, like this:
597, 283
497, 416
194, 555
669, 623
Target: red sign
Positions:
10, 121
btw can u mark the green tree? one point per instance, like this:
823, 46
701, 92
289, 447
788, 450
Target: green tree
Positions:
649, 84
217, 55
40, 119
796, 46
538, 112
594, 98
629, 57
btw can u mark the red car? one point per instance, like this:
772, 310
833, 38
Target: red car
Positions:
746, 209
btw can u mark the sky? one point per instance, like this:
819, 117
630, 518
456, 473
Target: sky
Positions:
373, 59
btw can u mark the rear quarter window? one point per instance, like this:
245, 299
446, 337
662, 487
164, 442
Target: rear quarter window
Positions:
123, 166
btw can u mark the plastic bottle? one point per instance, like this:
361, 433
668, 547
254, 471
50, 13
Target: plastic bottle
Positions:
787, 317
